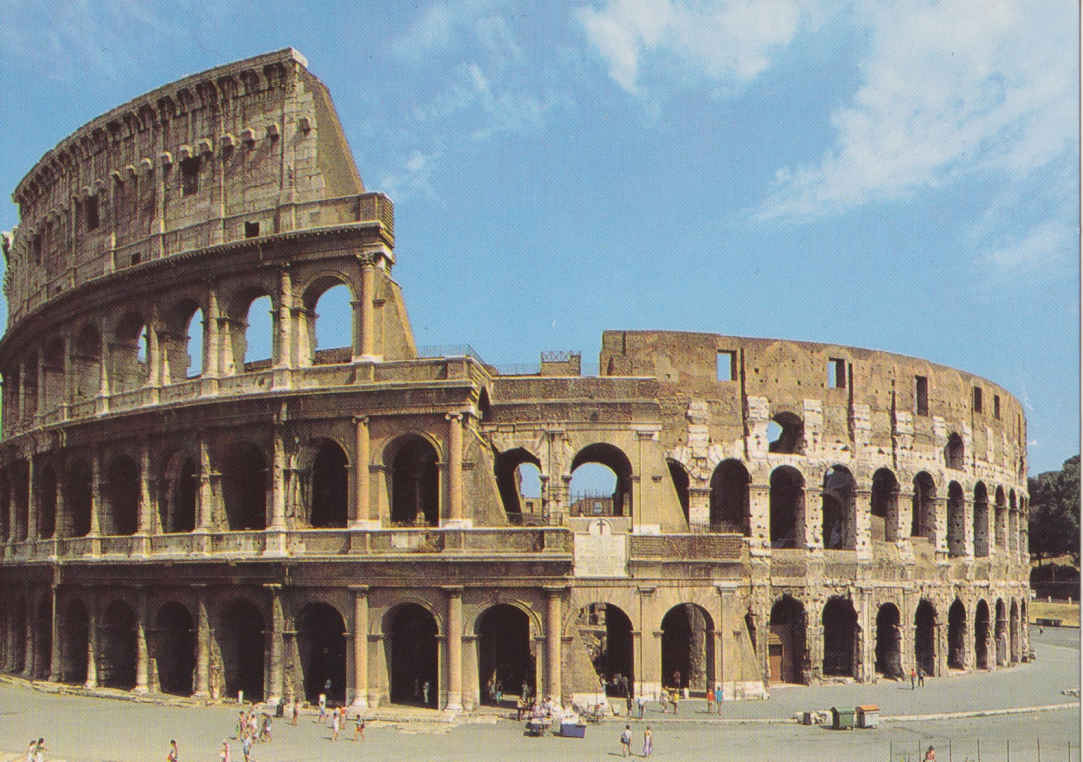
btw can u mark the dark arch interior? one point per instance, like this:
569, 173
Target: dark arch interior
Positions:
787, 494
679, 477
616, 461
606, 632
329, 486
786, 642
413, 656
241, 644
504, 653
43, 637
77, 499
956, 635
837, 507
506, 466
244, 479
47, 502
888, 642
184, 516
729, 497
414, 484
322, 642
123, 491
791, 433
116, 648
688, 648
921, 522
74, 635
981, 635
924, 637
176, 649
884, 505
840, 637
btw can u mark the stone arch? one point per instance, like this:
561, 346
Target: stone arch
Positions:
613, 458
889, 641
412, 654
981, 520
20, 496
182, 323
925, 648
333, 288
786, 433
240, 636
678, 477
1013, 523
43, 637
122, 489
1013, 632
923, 507
321, 641
787, 507
957, 635
956, 520
687, 646
52, 372
787, 653
245, 482
982, 635
509, 478
413, 481
179, 492
730, 508
248, 330
1001, 633
86, 363
5, 507
77, 500
175, 648
128, 355
18, 656
506, 658
117, 646
46, 500
604, 631
839, 620
885, 506
839, 509
1000, 521
954, 452
329, 480
74, 639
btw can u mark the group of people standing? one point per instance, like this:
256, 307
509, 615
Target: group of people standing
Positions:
626, 741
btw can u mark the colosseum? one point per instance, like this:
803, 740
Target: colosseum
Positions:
181, 517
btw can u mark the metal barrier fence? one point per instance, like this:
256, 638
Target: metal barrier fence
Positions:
977, 750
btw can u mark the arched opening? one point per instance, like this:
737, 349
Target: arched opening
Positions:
46, 502
888, 642
244, 487
5, 508
74, 636
605, 632
840, 637
506, 664
116, 647
729, 498
329, 486
330, 322
122, 493
253, 337
786, 654
688, 649
957, 635
923, 511
1014, 632
1013, 524
175, 652
240, 641
20, 493
584, 484
956, 521
925, 637
884, 524
954, 455
86, 363
981, 635
128, 354
77, 500
678, 477
414, 484
839, 510
1000, 520
181, 343
43, 637
786, 433
52, 374
322, 645
180, 490
1001, 633
787, 507
412, 655
518, 479
18, 631
30, 386
981, 521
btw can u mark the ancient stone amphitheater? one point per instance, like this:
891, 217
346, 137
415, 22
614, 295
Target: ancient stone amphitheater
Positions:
179, 517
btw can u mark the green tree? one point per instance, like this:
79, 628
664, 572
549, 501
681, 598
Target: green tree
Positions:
1054, 512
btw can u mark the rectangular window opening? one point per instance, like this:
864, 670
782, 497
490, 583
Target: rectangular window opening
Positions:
135, 258
977, 399
836, 373
90, 208
189, 176
996, 406
921, 395
251, 229
726, 365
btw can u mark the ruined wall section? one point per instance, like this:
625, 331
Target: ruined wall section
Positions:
237, 151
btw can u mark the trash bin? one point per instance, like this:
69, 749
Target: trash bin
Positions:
868, 716
842, 717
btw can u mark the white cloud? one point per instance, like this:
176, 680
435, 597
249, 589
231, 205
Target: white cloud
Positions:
1047, 242
413, 179
437, 27
728, 41
948, 89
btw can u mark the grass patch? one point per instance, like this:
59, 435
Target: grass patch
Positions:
1068, 613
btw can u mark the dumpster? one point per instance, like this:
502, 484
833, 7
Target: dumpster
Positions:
868, 716
842, 717
573, 730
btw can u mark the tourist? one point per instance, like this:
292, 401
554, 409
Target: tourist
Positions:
921, 677
641, 703
710, 700
296, 712
425, 688
242, 723
913, 676
335, 724
174, 754
265, 730
718, 697
674, 698
39, 750
648, 742
246, 748
626, 741
224, 755
359, 728
930, 755
31, 748
323, 708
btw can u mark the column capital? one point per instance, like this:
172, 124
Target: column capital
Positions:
452, 589
553, 590
453, 416
359, 589
361, 419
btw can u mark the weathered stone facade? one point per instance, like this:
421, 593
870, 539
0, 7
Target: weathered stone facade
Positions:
783, 510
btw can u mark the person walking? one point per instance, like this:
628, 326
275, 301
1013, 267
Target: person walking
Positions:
359, 728
710, 700
930, 755
174, 754
323, 708
336, 724
296, 712
626, 741
39, 750
224, 755
913, 676
641, 703
427, 686
628, 702
921, 677
648, 742
718, 697
246, 748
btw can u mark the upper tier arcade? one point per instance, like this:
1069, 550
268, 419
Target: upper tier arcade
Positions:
246, 150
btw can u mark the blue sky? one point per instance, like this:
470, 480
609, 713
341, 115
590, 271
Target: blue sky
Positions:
897, 175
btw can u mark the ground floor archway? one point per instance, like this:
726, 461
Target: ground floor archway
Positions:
925, 638
241, 642
888, 641
957, 635
606, 633
412, 656
786, 653
506, 664
116, 647
74, 636
322, 643
840, 637
981, 635
688, 648
175, 649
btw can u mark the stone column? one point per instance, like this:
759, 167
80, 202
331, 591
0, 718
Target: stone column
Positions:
210, 334
699, 509
61, 523
968, 526
203, 646
278, 486
66, 394
284, 327
12, 518
154, 360
812, 535
31, 499
92, 642
454, 648
759, 506
362, 497
367, 329
142, 656
95, 492
204, 521
553, 641
455, 472
39, 368
360, 646
146, 516
940, 526
275, 650
862, 526
103, 372
54, 636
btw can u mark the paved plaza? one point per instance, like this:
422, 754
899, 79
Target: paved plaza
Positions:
1011, 713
